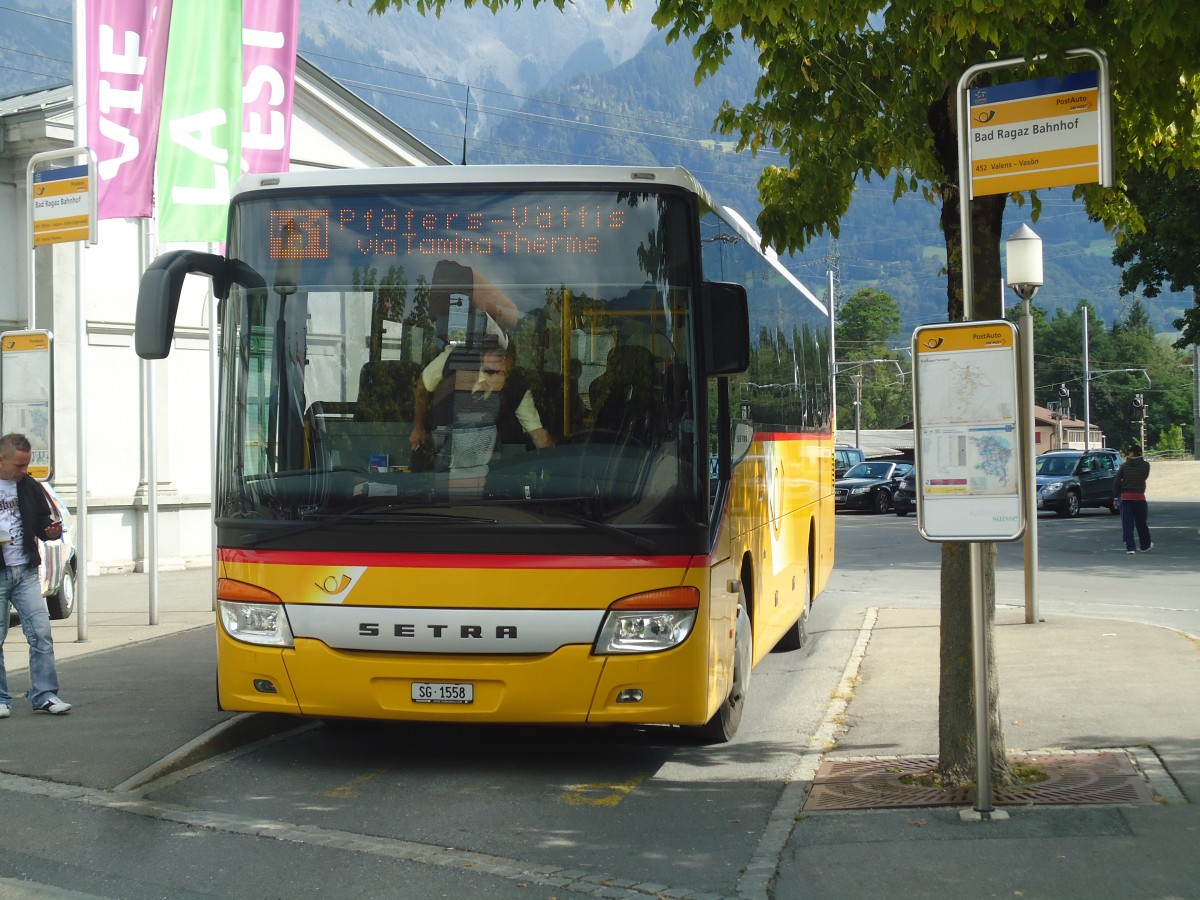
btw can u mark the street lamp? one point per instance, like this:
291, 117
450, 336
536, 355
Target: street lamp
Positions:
1023, 255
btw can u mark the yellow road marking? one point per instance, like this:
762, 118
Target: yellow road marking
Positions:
349, 790
601, 793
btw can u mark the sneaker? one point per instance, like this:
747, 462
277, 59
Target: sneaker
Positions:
53, 705
1130, 552
1147, 547
5, 712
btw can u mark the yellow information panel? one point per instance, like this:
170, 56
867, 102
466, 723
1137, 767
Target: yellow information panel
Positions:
25, 383
1035, 134
969, 462
61, 206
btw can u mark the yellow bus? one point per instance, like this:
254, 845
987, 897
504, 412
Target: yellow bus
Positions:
507, 444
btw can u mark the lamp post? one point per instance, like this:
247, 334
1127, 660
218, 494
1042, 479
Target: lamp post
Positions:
1023, 256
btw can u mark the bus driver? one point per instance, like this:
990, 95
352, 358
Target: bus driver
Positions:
466, 400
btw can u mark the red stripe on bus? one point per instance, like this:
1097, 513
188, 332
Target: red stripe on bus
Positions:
791, 436
454, 560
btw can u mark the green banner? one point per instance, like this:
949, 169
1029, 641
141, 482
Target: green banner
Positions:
200, 132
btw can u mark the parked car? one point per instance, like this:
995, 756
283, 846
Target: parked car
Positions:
904, 497
1069, 480
58, 564
869, 485
844, 457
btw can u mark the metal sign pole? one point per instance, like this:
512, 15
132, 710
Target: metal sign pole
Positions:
983, 739
983, 729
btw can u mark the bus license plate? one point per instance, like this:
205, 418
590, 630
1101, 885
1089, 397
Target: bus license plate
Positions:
441, 692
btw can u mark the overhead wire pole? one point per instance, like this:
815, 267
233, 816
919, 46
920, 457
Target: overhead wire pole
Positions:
1087, 385
857, 378
832, 355
1196, 400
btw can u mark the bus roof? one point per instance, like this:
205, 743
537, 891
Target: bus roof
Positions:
407, 176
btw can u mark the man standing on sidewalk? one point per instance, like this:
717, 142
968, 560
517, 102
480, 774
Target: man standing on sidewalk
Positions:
1130, 487
26, 515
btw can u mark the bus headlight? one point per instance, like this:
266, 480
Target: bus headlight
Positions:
645, 623
252, 614
256, 623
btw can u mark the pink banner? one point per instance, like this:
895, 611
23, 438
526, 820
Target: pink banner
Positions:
126, 48
268, 82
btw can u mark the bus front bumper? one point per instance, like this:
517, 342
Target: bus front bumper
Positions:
568, 686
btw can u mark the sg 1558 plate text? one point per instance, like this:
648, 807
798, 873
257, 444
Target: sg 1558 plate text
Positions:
442, 692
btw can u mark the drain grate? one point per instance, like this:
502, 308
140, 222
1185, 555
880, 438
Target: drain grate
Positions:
1072, 778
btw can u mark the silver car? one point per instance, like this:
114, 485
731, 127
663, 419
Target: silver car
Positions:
58, 564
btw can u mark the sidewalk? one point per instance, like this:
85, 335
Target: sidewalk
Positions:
118, 614
144, 695
1069, 683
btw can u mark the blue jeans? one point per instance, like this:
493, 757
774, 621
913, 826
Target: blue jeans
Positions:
20, 586
1133, 517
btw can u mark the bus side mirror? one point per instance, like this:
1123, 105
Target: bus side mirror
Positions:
158, 297
725, 328
162, 283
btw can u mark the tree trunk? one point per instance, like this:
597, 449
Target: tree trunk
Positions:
956, 695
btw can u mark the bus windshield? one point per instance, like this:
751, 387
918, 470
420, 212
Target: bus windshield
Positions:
494, 355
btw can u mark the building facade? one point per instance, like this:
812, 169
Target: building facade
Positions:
133, 408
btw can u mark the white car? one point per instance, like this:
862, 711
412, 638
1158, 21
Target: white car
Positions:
58, 564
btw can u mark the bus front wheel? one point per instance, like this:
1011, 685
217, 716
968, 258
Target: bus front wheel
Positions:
725, 721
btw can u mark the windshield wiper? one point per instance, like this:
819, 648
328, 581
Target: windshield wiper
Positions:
549, 506
603, 527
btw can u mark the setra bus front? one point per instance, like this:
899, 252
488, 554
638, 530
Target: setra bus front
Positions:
468, 428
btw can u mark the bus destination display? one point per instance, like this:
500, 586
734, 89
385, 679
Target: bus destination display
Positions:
348, 232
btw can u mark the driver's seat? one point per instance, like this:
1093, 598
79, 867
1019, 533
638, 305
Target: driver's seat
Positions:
627, 398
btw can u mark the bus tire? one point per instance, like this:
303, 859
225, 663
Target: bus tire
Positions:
797, 634
725, 721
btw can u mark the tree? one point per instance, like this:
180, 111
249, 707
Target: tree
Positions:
865, 322
1168, 250
1162, 380
862, 88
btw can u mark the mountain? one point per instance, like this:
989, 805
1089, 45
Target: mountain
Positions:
417, 68
586, 85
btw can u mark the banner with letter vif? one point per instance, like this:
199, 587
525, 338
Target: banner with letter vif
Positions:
125, 50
